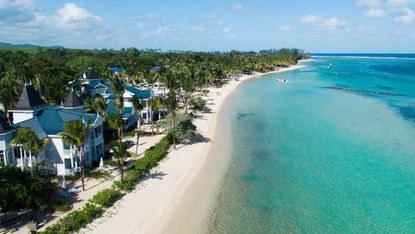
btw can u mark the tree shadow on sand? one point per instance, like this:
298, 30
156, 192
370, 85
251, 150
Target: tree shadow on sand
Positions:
155, 175
194, 139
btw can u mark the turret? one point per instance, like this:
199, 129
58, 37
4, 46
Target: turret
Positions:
29, 104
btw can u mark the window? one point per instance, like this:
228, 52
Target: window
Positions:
68, 164
2, 158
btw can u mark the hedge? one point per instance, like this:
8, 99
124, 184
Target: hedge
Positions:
106, 197
75, 220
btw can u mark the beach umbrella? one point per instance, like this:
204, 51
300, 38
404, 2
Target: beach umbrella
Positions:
63, 182
101, 164
76, 166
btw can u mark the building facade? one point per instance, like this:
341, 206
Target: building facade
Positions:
32, 112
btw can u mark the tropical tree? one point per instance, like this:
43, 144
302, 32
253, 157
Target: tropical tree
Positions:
138, 106
184, 130
120, 153
28, 140
76, 133
155, 104
115, 122
117, 87
173, 85
10, 91
188, 80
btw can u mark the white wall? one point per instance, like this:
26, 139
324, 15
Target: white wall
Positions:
20, 116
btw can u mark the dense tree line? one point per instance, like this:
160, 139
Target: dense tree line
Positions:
50, 70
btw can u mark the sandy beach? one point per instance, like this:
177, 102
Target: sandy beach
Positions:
162, 203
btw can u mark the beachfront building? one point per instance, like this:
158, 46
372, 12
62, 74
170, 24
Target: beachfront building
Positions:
93, 85
6, 135
130, 115
46, 121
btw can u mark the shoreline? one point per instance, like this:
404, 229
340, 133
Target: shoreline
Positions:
160, 204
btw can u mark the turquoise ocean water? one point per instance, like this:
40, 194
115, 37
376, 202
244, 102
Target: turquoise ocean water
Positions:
331, 151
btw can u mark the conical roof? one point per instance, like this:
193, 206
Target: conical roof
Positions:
72, 100
29, 99
91, 74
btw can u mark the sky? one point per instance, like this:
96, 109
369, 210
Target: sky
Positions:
368, 26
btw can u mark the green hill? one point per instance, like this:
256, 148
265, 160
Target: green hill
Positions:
28, 48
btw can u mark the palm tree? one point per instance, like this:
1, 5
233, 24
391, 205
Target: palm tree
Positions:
117, 87
76, 133
120, 153
115, 122
151, 78
27, 139
172, 84
138, 106
187, 83
155, 105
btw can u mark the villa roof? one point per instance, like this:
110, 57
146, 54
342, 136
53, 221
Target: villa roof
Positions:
91, 74
29, 99
126, 111
51, 121
140, 93
4, 126
72, 100
116, 69
95, 84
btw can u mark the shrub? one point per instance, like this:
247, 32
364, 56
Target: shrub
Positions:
106, 197
78, 219
126, 185
21, 189
62, 206
142, 166
97, 175
131, 133
75, 220
198, 103
184, 126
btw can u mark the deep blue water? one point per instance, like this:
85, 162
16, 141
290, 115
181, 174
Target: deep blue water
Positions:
331, 151
367, 55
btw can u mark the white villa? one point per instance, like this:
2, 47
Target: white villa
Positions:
32, 112
93, 85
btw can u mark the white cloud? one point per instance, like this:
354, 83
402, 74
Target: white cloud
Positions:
150, 16
237, 7
163, 31
328, 23
24, 21
140, 25
309, 19
369, 3
404, 15
198, 29
284, 28
74, 17
399, 3
226, 30
375, 12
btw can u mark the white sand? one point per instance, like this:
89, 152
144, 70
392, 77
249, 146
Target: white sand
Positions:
161, 203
